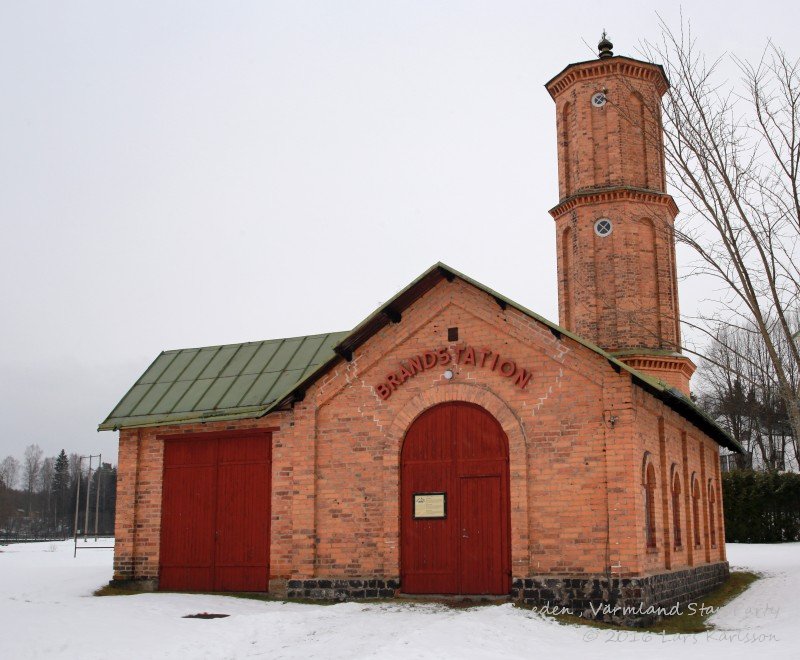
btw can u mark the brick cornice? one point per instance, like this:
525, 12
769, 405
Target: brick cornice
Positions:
649, 362
606, 195
612, 66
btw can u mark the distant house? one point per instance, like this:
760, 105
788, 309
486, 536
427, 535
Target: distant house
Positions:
778, 454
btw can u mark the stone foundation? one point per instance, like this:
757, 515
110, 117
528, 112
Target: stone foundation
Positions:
145, 585
637, 601
356, 589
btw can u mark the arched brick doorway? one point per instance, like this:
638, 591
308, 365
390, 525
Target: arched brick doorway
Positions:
454, 503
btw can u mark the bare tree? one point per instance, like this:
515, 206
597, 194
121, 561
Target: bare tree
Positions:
733, 161
45, 482
740, 390
9, 471
75, 470
32, 464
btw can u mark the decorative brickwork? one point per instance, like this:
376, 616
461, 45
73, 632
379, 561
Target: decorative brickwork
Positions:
604, 68
675, 370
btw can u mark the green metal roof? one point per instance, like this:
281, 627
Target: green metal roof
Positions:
220, 382
251, 380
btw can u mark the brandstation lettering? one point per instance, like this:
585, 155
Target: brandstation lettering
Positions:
463, 355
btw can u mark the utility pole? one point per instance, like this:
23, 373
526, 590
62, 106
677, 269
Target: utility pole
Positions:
97, 495
86, 509
88, 493
77, 508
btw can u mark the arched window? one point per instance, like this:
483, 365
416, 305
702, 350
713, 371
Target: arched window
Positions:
566, 275
712, 521
565, 129
649, 483
676, 508
696, 511
640, 165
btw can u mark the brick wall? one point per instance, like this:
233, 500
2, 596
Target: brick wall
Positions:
662, 432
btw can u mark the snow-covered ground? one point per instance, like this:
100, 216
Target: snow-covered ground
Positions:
47, 610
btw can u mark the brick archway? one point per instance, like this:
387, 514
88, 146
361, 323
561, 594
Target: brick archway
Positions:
518, 467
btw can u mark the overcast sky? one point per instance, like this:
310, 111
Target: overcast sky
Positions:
177, 174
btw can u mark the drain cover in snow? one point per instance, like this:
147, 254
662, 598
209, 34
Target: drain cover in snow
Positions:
205, 615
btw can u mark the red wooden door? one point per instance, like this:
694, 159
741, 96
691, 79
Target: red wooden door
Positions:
188, 503
243, 505
427, 545
215, 527
461, 450
481, 546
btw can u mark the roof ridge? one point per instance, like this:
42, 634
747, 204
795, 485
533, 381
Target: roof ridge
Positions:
254, 341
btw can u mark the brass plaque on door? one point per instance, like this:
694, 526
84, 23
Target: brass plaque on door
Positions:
430, 505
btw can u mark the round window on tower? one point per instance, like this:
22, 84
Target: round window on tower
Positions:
603, 227
598, 99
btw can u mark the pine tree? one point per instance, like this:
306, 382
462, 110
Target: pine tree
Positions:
61, 484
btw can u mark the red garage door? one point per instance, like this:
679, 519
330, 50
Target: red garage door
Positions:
455, 503
215, 516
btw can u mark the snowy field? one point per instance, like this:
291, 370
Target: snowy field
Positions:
47, 611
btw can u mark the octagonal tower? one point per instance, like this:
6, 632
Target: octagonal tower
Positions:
617, 279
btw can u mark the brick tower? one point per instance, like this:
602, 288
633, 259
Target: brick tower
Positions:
617, 281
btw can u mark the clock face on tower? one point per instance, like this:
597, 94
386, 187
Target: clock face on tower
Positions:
598, 99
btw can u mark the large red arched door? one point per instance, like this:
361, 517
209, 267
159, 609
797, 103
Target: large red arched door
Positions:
459, 543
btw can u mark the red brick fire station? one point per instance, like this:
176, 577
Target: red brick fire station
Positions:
454, 442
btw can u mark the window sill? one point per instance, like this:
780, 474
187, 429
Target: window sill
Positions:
652, 550
678, 548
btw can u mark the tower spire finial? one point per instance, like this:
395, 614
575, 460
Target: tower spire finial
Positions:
605, 47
